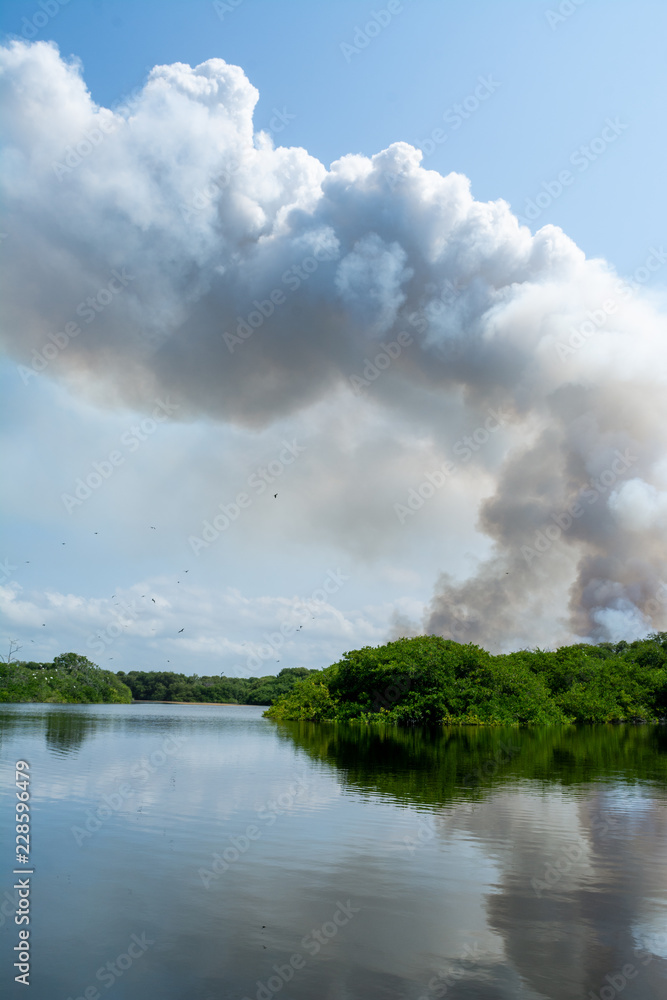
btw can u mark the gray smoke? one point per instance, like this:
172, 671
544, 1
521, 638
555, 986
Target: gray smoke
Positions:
165, 248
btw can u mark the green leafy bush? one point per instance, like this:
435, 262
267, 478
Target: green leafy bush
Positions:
69, 679
429, 680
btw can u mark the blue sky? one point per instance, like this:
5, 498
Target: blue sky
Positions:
554, 106
558, 82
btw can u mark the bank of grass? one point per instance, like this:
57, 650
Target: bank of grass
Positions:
428, 680
69, 679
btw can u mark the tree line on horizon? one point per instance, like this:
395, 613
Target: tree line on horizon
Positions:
425, 680
164, 685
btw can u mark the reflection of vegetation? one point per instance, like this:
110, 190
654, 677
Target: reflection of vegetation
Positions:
167, 686
436, 765
66, 730
429, 680
69, 679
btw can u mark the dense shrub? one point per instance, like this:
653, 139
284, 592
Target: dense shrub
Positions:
70, 678
430, 680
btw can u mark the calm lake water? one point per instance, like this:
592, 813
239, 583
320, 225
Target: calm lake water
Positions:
206, 853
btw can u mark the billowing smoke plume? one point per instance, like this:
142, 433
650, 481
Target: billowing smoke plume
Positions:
167, 248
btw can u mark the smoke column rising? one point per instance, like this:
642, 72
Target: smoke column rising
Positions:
249, 283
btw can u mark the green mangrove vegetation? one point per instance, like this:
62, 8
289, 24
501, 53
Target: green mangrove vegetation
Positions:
70, 678
168, 686
428, 680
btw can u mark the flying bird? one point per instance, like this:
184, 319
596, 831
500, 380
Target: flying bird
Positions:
275, 496
153, 600
181, 630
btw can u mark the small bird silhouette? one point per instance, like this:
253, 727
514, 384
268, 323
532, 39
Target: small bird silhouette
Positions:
153, 600
155, 529
275, 496
181, 630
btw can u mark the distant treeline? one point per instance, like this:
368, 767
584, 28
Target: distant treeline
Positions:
430, 681
71, 678
155, 685
68, 679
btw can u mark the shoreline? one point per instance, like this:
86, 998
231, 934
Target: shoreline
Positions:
150, 701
